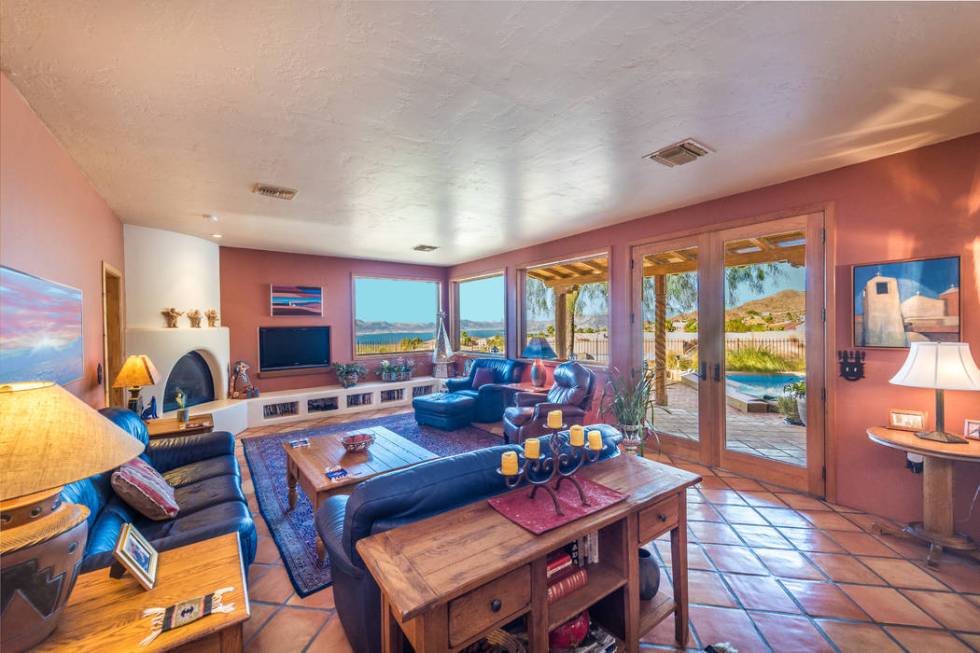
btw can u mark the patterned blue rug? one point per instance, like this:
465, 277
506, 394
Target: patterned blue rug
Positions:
293, 531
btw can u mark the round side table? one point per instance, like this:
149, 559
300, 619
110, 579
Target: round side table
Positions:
936, 526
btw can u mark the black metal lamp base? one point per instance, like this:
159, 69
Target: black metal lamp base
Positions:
940, 436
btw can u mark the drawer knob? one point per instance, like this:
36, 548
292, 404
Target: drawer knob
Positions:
662, 517
495, 605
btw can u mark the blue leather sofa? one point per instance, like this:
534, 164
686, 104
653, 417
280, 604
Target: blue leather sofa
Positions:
402, 497
207, 485
491, 399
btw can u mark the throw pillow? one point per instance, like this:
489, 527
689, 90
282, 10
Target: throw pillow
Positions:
145, 490
483, 376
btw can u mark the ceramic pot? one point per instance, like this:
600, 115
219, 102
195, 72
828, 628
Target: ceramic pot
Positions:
649, 575
801, 408
347, 380
538, 375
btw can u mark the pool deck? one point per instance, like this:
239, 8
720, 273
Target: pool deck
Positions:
757, 433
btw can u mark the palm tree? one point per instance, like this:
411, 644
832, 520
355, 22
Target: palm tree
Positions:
540, 300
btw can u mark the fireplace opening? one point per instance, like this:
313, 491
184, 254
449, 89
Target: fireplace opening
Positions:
192, 375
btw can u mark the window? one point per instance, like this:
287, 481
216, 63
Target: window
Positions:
394, 315
480, 315
567, 305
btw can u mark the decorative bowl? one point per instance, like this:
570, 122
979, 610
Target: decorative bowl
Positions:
357, 442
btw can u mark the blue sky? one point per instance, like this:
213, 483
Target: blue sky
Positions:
395, 300
482, 300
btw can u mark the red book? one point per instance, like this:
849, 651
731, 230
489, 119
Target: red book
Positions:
567, 583
558, 561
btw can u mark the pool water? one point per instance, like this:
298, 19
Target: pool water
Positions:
760, 385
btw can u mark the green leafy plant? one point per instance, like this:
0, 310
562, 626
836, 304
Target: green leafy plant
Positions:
760, 360
796, 389
788, 409
348, 373
629, 398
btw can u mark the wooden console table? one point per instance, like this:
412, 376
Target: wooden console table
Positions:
449, 580
936, 526
171, 426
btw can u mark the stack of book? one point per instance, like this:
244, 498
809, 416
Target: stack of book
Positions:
564, 576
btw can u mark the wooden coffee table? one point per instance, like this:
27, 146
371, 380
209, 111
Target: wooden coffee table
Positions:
306, 466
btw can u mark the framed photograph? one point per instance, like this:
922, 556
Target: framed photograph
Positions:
906, 420
297, 300
42, 329
971, 429
137, 556
900, 302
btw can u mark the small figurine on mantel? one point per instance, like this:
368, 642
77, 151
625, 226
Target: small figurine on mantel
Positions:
195, 317
171, 314
212, 316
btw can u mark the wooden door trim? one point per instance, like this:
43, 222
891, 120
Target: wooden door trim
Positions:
109, 270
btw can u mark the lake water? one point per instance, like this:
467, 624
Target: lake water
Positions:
395, 337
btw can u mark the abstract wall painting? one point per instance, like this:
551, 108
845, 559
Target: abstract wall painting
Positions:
901, 302
297, 300
40, 329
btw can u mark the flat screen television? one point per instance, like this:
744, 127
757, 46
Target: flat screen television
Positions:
293, 348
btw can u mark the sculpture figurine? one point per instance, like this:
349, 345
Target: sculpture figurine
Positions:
239, 386
212, 316
171, 314
195, 318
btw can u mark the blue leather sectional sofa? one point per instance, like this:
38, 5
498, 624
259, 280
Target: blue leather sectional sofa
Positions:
207, 484
398, 498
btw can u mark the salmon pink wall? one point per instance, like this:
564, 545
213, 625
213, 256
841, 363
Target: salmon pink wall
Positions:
245, 278
53, 224
921, 203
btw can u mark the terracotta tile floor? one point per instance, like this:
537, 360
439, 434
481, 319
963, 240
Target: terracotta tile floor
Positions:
771, 571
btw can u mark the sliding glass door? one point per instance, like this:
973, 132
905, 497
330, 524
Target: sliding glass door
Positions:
732, 330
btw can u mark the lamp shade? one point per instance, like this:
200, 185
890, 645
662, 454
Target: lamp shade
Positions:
538, 347
138, 370
49, 437
940, 366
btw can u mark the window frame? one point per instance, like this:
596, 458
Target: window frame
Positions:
353, 313
521, 282
455, 318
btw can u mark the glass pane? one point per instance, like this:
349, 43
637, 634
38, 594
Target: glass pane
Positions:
670, 338
765, 346
566, 310
481, 315
394, 315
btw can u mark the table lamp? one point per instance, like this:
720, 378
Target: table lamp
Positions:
941, 366
48, 438
538, 348
137, 371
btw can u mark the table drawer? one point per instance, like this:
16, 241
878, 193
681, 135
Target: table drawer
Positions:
471, 613
657, 519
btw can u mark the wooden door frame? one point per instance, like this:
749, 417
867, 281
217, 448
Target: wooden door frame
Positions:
109, 270
818, 479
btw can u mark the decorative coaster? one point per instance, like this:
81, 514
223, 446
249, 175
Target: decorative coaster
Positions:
538, 515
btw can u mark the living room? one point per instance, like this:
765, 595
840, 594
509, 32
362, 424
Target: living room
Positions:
490, 327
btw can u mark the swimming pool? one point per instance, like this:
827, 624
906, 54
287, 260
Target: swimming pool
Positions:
760, 385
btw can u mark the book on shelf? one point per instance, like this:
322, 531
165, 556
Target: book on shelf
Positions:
566, 582
558, 561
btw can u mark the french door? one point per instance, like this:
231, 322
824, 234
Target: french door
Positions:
732, 332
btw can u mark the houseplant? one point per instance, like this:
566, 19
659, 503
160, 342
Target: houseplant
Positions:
797, 390
349, 373
629, 397
386, 370
403, 368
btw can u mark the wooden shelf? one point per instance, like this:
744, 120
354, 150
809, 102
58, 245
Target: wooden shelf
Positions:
655, 610
603, 581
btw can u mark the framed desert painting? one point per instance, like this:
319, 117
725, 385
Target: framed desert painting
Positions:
41, 329
901, 302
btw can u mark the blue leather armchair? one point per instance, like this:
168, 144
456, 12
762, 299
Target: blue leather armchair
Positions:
491, 399
572, 391
207, 485
397, 498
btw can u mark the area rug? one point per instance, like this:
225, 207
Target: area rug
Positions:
293, 531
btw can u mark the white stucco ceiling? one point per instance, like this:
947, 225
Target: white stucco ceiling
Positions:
478, 127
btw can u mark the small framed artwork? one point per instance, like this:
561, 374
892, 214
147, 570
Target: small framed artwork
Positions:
135, 555
971, 429
296, 300
906, 420
899, 302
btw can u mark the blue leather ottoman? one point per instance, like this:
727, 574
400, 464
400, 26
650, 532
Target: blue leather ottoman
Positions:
444, 410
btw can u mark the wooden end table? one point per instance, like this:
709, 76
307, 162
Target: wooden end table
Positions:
105, 615
936, 526
306, 466
170, 426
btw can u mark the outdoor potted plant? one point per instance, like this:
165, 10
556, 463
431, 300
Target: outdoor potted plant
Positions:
629, 398
797, 390
349, 373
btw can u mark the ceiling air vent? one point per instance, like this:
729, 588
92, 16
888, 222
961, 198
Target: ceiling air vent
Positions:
278, 192
425, 248
679, 153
